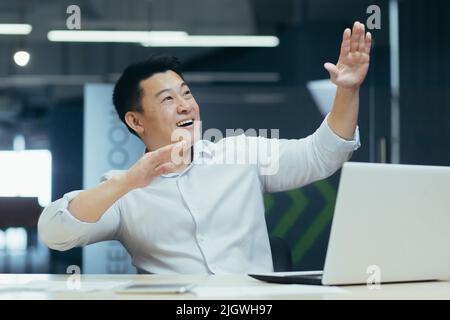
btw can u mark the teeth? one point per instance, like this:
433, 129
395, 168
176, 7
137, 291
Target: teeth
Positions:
181, 123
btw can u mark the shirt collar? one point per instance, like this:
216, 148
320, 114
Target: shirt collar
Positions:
203, 149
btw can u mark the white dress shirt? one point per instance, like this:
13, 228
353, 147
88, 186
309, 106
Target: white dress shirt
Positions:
207, 219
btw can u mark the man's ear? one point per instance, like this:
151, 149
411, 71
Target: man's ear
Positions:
133, 120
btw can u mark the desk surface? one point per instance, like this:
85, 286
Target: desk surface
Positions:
17, 286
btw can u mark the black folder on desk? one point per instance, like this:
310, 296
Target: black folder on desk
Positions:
309, 277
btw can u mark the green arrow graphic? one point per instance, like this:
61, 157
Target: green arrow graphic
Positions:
299, 203
323, 219
268, 203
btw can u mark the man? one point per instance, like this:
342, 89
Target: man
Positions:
183, 217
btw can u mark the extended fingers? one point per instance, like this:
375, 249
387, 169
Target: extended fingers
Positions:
164, 154
359, 40
345, 46
357, 32
362, 42
165, 168
354, 38
178, 154
368, 42
168, 149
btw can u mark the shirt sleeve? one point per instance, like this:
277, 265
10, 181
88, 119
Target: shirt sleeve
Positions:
291, 163
60, 230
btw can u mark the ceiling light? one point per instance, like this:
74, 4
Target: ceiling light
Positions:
21, 58
216, 41
162, 38
8, 28
112, 36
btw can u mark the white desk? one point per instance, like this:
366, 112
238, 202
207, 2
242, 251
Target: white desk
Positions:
14, 286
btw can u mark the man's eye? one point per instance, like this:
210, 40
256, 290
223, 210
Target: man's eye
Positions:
187, 92
167, 99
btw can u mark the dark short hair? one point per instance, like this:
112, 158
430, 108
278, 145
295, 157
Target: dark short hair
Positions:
128, 93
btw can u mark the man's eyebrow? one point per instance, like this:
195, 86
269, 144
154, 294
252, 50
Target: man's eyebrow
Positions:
162, 91
165, 90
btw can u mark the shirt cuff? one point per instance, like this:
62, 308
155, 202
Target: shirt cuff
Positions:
332, 142
65, 214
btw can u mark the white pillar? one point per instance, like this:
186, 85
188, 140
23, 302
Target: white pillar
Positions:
395, 80
108, 145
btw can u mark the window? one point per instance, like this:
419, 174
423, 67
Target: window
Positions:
26, 173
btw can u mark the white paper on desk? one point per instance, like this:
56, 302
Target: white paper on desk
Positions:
264, 290
64, 286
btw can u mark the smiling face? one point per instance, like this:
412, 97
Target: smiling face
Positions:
169, 110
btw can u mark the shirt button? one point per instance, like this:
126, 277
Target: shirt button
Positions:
213, 268
200, 238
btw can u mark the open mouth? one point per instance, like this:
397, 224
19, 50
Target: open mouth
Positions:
185, 123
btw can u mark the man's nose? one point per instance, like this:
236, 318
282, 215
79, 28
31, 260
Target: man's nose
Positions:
183, 106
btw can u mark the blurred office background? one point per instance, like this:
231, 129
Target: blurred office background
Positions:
280, 83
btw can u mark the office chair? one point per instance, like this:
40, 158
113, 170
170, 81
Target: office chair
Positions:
281, 254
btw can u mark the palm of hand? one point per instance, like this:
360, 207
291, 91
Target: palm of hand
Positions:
353, 63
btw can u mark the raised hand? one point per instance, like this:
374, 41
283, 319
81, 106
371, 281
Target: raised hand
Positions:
164, 160
353, 62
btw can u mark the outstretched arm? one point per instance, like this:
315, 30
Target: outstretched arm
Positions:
91, 204
348, 74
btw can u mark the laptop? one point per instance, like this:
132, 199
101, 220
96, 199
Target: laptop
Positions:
391, 223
